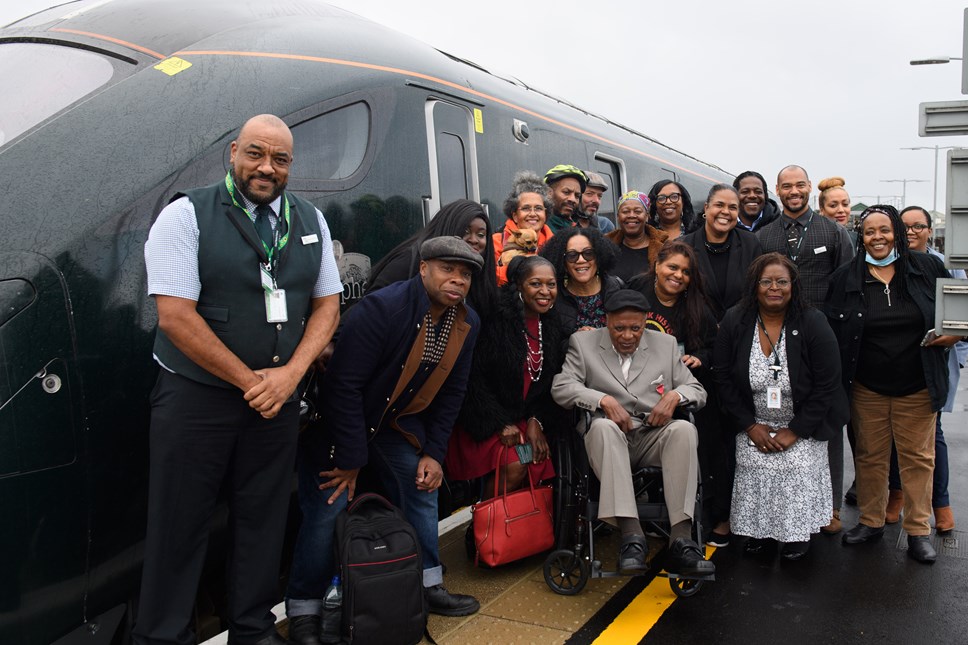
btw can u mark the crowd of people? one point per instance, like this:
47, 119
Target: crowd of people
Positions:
742, 342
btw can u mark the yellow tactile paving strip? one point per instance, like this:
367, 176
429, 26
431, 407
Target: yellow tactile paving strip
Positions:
516, 604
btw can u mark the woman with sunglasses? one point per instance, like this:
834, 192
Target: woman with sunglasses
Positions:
671, 209
583, 262
778, 377
881, 307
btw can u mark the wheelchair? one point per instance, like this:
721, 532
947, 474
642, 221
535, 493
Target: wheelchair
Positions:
572, 562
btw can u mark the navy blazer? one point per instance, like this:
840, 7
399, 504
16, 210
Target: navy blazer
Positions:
375, 341
820, 406
744, 248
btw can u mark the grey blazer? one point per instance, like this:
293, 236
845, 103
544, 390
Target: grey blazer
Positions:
592, 369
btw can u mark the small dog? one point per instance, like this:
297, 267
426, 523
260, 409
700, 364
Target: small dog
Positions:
525, 243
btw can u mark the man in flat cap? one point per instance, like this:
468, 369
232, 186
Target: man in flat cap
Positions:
591, 201
391, 394
632, 380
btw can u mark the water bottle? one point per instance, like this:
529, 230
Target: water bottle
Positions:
332, 622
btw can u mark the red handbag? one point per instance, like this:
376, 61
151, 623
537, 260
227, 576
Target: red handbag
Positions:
512, 526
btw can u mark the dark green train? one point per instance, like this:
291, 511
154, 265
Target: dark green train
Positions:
107, 110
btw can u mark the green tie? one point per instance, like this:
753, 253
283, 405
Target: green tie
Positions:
262, 225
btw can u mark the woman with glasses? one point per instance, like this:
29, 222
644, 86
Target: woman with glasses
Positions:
638, 241
583, 262
526, 206
671, 209
776, 370
881, 307
462, 218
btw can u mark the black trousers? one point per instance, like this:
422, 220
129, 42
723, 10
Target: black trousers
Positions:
200, 437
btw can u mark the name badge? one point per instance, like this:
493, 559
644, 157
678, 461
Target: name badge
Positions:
276, 311
774, 398
819, 250
309, 239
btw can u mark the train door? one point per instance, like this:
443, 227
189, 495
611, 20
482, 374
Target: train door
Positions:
43, 485
612, 170
453, 155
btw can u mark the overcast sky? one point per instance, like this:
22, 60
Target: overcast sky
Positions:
744, 84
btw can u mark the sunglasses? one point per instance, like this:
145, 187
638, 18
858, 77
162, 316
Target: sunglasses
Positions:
572, 256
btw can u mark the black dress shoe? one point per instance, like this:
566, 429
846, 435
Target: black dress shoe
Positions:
756, 546
863, 533
921, 549
442, 602
794, 550
687, 559
304, 630
631, 555
273, 638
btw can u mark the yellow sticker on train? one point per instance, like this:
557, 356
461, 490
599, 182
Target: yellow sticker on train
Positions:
173, 65
478, 121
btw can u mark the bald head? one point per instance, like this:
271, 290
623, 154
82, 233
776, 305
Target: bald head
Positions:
261, 157
792, 168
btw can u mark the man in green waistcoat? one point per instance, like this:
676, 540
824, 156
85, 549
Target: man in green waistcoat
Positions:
247, 290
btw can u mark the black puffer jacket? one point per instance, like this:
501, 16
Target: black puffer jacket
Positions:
493, 398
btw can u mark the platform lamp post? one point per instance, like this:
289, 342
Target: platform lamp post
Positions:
904, 183
936, 149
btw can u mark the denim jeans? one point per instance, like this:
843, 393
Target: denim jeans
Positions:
314, 561
395, 462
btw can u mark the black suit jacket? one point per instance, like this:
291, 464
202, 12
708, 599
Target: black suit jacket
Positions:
819, 402
744, 248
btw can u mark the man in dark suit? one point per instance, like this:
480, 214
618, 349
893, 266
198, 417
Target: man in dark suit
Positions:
632, 380
391, 394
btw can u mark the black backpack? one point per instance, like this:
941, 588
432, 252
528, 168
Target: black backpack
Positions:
382, 573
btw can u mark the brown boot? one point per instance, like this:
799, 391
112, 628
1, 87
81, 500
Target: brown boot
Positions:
944, 521
834, 527
895, 502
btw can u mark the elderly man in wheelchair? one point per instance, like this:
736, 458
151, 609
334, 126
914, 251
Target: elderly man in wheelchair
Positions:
631, 380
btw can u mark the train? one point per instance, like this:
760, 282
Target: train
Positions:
112, 107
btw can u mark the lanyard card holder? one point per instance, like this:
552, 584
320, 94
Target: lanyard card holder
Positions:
276, 309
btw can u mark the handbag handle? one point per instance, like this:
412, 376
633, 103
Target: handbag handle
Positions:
497, 478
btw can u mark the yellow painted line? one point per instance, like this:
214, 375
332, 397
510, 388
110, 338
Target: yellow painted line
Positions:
637, 619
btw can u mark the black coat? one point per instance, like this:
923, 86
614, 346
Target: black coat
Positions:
820, 407
493, 398
743, 249
845, 309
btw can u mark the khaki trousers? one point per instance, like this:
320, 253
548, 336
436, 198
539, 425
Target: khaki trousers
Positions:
612, 455
909, 421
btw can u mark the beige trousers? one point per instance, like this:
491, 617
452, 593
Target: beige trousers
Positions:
909, 421
613, 455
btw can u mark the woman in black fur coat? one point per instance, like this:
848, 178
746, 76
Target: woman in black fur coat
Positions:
508, 401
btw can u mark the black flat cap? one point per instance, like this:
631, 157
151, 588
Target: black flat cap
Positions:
453, 249
626, 299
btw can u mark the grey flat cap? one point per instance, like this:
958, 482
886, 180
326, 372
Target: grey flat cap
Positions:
451, 248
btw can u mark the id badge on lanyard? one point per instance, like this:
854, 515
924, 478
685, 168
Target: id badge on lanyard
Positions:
276, 311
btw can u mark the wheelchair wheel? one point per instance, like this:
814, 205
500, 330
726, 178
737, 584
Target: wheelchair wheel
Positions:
685, 588
565, 572
566, 507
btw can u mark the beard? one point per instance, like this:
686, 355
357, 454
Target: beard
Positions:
256, 196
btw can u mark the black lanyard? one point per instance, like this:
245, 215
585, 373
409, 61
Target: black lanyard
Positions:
775, 367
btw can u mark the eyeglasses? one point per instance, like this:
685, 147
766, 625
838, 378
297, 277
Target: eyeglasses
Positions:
671, 197
531, 209
917, 228
766, 283
572, 256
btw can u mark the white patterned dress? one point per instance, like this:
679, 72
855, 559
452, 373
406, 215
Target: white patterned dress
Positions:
780, 495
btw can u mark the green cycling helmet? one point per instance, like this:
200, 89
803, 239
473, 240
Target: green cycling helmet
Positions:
564, 170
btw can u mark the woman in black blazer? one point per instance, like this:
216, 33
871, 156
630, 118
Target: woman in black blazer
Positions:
784, 398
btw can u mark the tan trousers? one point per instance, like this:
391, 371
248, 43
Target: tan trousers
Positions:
909, 421
612, 455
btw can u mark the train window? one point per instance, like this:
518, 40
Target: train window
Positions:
47, 78
453, 172
15, 295
331, 145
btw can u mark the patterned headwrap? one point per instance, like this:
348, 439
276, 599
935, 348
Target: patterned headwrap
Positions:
643, 198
